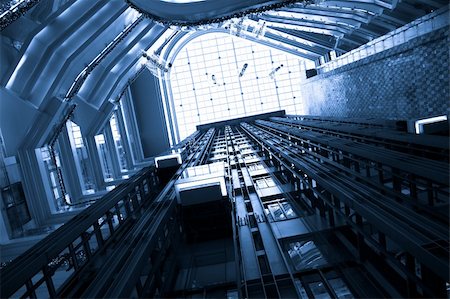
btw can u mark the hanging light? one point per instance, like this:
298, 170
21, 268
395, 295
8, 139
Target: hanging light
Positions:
273, 72
157, 65
237, 26
259, 29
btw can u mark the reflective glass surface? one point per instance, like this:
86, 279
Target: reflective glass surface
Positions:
319, 290
305, 255
340, 288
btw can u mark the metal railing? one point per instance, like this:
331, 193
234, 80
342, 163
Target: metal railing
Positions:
50, 265
74, 244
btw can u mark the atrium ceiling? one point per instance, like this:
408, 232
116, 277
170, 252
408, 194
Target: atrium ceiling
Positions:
56, 53
219, 76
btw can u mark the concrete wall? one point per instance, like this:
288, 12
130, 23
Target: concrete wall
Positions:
16, 120
405, 82
149, 114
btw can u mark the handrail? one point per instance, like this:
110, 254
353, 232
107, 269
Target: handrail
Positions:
139, 239
76, 243
126, 202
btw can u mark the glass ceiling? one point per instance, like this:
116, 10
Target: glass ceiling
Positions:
218, 76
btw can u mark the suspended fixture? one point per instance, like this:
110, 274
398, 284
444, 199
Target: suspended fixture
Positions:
157, 65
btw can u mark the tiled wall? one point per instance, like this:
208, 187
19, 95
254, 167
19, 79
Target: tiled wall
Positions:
405, 82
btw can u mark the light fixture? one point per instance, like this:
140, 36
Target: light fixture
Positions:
157, 65
237, 26
272, 73
418, 125
259, 29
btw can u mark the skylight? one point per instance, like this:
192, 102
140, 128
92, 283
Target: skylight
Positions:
218, 76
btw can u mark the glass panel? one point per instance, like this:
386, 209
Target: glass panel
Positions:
265, 183
305, 255
270, 182
250, 157
288, 210
261, 184
276, 211
319, 290
218, 76
340, 288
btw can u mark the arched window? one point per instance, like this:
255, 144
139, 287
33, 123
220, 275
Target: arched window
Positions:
218, 76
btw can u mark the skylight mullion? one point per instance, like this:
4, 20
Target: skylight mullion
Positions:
224, 90
257, 76
241, 94
275, 80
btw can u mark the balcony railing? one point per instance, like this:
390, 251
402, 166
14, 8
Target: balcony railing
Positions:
47, 266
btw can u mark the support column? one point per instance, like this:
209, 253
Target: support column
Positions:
110, 144
124, 137
70, 167
95, 163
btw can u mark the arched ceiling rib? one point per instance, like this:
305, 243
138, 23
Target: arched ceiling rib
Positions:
122, 58
91, 46
60, 51
45, 41
122, 73
190, 12
66, 48
97, 77
349, 23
